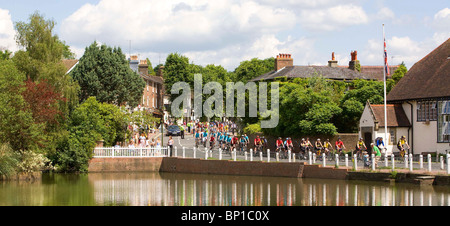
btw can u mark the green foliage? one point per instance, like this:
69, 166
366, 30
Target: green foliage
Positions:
5, 54
17, 126
103, 72
89, 122
8, 160
151, 71
399, 73
250, 69
41, 58
177, 69
253, 129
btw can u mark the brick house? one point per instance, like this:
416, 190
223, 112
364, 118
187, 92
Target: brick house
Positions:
152, 97
284, 67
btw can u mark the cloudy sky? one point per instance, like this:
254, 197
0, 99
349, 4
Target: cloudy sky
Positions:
226, 32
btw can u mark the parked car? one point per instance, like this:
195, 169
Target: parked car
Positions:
173, 130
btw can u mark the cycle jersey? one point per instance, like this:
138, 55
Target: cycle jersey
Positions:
229, 139
243, 140
197, 135
279, 142
288, 143
205, 134
339, 144
234, 140
257, 141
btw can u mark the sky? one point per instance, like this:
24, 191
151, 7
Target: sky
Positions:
227, 32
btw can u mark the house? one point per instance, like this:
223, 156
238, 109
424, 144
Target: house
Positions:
371, 124
423, 96
69, 64
152, 97
284, 67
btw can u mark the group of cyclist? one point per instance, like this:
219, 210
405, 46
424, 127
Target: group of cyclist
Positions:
223, 136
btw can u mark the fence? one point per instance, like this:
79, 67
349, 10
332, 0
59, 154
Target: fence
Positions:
138, 152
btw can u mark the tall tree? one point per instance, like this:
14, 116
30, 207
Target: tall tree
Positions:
253, 68
399, 73
103, 72
42, 57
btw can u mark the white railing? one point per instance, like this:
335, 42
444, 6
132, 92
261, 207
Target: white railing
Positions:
137, 152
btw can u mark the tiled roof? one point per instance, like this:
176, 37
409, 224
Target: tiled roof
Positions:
395, 114
428, 78
69, 64
335, 73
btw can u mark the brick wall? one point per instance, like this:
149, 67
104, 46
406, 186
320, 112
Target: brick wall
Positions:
125, 164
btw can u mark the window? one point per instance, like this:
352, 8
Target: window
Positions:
392, 137
426, 111
444, 121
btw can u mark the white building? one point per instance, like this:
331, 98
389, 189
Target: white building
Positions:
424, 95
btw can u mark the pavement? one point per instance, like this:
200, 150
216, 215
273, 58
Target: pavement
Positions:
188, 144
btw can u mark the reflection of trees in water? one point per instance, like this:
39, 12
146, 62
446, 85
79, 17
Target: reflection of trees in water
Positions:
167, 189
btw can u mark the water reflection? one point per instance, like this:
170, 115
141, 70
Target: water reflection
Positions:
166, 189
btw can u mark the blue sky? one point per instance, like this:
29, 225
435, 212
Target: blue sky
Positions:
226, 32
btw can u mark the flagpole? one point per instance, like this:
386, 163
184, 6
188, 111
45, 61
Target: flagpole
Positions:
386, 142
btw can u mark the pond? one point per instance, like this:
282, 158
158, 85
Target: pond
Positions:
168, 189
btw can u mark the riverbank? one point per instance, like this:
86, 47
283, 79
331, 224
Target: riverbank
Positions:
269, 169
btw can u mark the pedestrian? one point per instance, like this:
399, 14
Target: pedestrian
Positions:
170, 145
182, 131
377, 153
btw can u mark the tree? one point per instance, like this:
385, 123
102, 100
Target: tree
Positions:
17, 126
253, 68
399, 73
103, 72
5, 54
151, 71
89, 122
42, 57
176, 69
42, 101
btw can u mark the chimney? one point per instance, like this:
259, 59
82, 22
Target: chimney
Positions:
143, 67
161, 71
283, 60
354, 63
333, 62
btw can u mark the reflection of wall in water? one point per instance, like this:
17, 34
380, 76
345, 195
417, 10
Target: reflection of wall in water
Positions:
248, 191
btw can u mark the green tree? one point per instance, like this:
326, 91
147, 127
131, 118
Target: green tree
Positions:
42, 57
399, 73
253, 68
176, 69
89, 122
17, 126
103, 72
5, 54
151, 71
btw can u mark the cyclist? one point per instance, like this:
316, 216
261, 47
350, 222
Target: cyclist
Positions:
243, 144
401, 144
279, 144
339, 146
212, 141
327, 147
197, 137
234, 142
318, 147
264, 143
204, 137
302, 147
229, 139
360, 147
288, 146
258, 144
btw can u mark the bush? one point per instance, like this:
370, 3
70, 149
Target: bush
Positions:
8, 160
33, 162
252, 129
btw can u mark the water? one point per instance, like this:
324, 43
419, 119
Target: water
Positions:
167, 189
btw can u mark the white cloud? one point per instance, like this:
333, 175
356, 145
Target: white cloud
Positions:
173, 25
441, 23
333, 18
399, 49
7, 32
